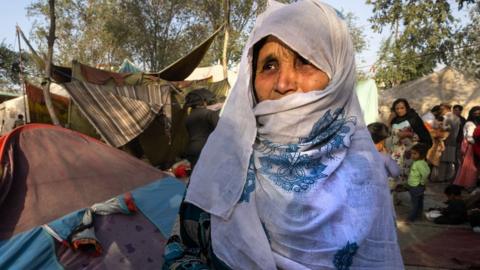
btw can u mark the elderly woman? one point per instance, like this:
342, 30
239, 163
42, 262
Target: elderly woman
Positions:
407, 129
290, 179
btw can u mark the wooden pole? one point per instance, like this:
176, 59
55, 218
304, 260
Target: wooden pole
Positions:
226, 10
48, 65
22, 79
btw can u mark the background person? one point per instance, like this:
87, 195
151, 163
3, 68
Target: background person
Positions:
456, 211
379, 133
407, 129
417, 179
451, 124
200, 122
468, 171
19, 121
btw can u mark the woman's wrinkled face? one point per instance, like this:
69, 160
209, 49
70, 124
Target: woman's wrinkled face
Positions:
400, 109
280, 71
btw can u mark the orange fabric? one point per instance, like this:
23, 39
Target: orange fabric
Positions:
438, 146
130, 202
467, 175
85, 244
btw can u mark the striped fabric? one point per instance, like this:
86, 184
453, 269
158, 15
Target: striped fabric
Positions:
123, 112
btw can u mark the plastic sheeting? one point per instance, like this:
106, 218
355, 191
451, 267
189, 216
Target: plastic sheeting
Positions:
367, 94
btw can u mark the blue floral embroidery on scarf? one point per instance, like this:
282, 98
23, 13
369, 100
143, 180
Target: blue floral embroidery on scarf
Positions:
344, 257
249, 183
331, 128
294, 171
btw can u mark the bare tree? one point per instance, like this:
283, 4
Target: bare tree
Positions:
48, 65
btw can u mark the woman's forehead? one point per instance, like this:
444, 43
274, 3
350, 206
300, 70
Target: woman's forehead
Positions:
274, 46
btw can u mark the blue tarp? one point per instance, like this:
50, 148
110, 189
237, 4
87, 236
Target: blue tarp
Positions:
35, 249
128, 67
160, 202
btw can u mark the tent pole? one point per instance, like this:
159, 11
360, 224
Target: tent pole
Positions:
22, 79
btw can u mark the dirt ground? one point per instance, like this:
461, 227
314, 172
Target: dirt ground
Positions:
422, 242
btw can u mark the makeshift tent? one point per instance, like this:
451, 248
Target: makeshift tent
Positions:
367, 94
112, 104
49, 172
445, 86
144, 109
38, 110
213, 73
183, 67
123, 112
177, 71
9, 110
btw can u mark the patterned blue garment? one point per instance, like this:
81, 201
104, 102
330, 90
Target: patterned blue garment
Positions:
344, 257
249, 184
295, 170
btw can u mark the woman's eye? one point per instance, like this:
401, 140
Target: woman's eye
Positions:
271, 65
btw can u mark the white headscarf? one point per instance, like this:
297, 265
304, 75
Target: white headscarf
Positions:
293, 183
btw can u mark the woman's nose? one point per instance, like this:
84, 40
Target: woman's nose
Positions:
286, 81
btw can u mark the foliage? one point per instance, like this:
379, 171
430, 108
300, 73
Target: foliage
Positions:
466, 55
10, 66
420, 37
104, 32
152, 33
356, 32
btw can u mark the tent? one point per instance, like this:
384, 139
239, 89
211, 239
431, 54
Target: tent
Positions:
444, 86
141, 112
68, 197
213, 73
9, 110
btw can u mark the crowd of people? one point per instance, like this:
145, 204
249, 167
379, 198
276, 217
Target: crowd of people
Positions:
440, 146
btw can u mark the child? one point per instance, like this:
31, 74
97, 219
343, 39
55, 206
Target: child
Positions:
379, 133
456, 211
419, 173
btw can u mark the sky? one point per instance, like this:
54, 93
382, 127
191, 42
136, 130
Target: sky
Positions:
13, 12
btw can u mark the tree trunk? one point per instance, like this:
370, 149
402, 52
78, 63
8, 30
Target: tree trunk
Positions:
48, 65
226, 9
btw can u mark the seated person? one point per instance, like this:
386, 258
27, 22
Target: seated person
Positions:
456, 210
379, 133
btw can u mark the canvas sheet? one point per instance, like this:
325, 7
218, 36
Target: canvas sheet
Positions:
120, 113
